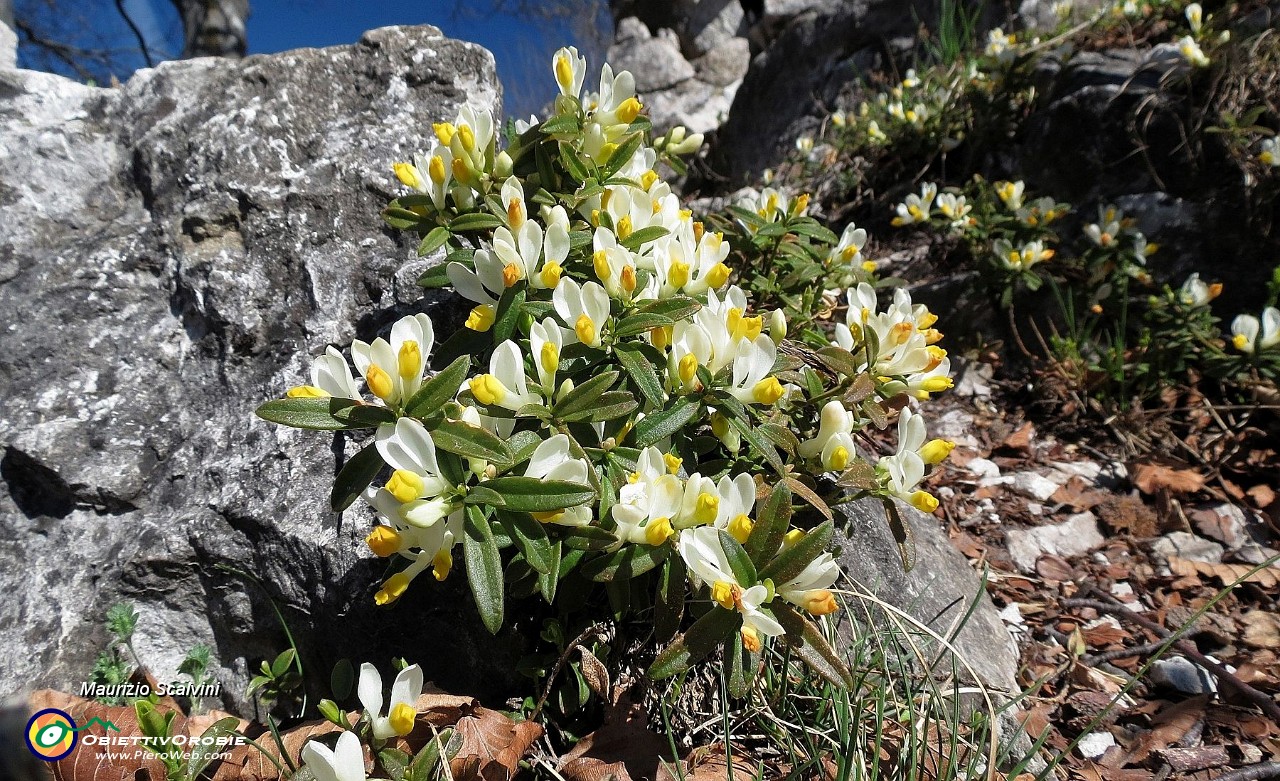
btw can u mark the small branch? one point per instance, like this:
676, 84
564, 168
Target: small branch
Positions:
1256, 772
1264, 702
587, 636
137, 33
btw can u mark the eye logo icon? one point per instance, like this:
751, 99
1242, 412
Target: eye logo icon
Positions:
51, 734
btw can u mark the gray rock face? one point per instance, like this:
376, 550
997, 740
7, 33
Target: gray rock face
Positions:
812, 58
172, 253
937, 591
676, 91
8, 47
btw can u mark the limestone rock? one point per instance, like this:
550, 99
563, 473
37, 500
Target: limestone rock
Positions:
8, 47
655, 60
1078, 534
173, 252
936, 591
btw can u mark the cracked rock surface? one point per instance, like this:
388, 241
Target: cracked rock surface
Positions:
173, 252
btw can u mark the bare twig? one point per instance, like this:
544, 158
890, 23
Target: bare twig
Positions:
1258, 772
1224, 677
588, 634
137, 33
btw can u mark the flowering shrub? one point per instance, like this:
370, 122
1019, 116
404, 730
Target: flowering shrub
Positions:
614, 407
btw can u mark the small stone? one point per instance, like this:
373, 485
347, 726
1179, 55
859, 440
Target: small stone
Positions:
1077, 535
981, 467
1034, 486
1095, 744
1185, 545
1182, 675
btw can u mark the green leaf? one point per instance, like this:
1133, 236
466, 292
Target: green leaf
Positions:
354, 477
438, 389
471, 441
741, 666
586, 538
639, 367
327, 414
621, 155
791, 562
522, 444
610, 406
283, 662
639, 323
484, 567
433, 241
781, 436
807, 642
624, 564
564, 123
395, 762
584, 396
330, 711
809, 227
759, 444
661, 425
644, 236
548, 581
744, 571
772, 521
476, 221
402, 219
424, 764
507, 317
674, 307
694, 645
435, 277
573, 164
531, 538
530, 495
342, 679
668, 603
839, 360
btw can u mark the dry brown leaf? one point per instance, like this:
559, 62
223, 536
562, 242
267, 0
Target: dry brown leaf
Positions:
1262, 494
1267, 577
1261, 629
1168, 727
1020, 439
90, 763
623, 747
492, 744
708, 764
1151, 477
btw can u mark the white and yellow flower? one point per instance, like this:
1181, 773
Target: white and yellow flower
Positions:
1191, 52
916, 208
570, 70
1021, 258
393, 369
344, 762
546, 341
403, 708
330, 376
1249, 334
833, 444
1010, 194
811, 589
1269, 154
649, 501
506, 384
1195, 292
583, 308
551, 461
752, 382
707, 562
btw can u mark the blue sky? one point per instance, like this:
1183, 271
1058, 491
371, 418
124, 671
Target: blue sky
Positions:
521, 44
